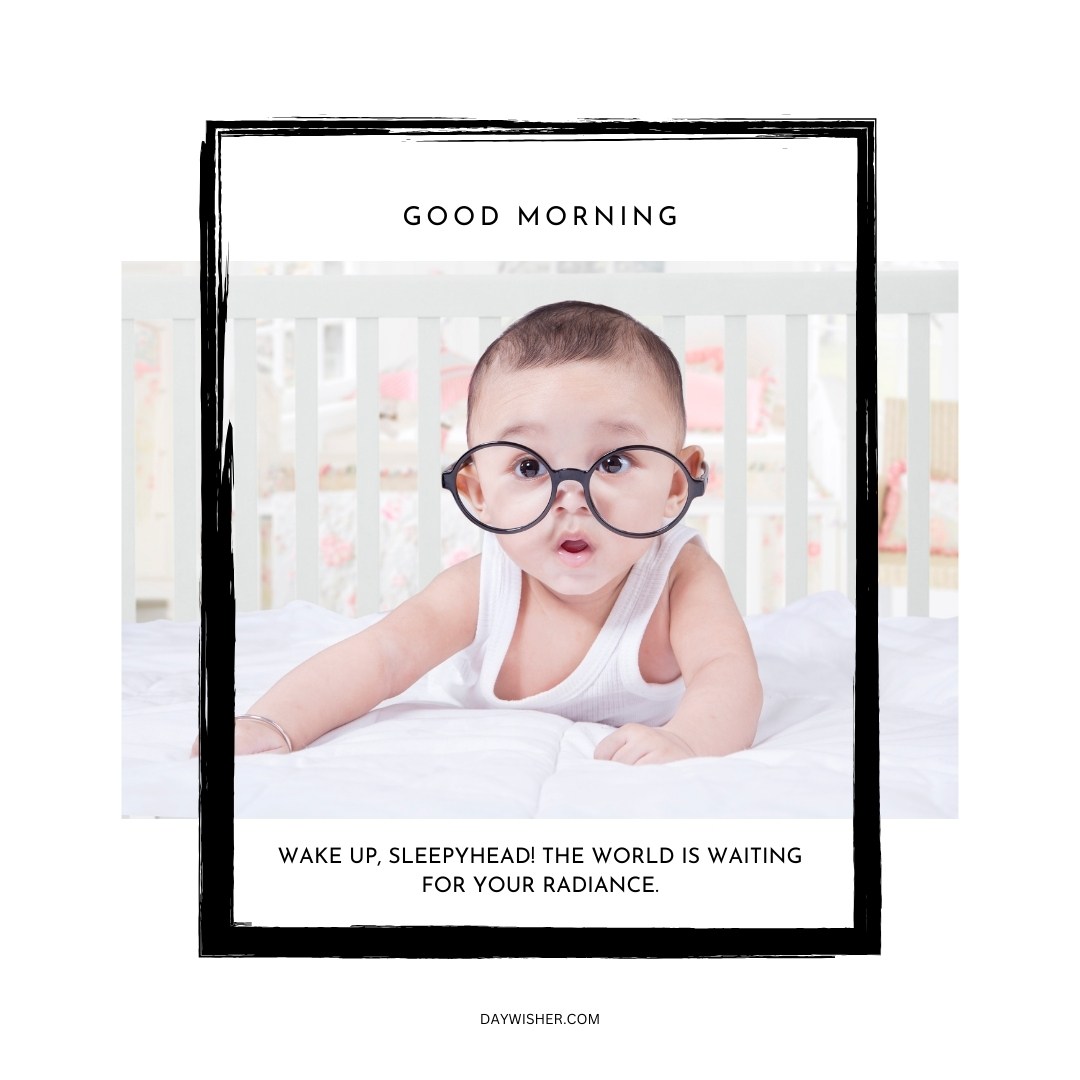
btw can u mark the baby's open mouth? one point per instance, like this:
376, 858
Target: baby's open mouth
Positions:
574, 546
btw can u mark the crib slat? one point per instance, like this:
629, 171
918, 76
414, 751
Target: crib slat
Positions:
367, 466
429, 445
127, 470
675, 336
185, 468
796, 450
735, 457
246, 456
918, 464
854, 447
306, 359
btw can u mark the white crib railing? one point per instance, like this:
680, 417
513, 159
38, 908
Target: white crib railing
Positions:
670, 298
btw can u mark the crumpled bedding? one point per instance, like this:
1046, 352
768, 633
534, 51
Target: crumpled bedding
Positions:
420, 757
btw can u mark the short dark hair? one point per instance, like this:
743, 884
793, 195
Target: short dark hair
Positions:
575, 330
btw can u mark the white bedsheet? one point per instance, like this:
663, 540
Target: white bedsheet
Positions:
419, 758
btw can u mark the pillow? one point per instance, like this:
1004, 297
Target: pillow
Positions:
944, 516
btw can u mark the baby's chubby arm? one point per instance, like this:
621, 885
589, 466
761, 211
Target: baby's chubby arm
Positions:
719, 711
350, 678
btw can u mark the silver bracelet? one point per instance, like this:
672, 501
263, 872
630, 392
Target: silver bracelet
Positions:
270, 723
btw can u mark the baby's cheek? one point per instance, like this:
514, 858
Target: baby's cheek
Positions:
515, 546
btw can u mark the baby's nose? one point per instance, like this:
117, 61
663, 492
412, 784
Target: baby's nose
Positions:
571, 495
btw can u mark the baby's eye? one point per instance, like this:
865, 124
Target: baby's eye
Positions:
529, 468
614, 464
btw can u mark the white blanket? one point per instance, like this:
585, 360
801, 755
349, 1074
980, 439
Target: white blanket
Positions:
418, 758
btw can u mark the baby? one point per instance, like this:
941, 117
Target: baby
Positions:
589, 599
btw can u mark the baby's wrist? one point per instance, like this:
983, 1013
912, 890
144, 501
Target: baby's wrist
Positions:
681, 740
263, 732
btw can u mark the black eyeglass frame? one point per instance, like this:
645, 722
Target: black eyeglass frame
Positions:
695, 487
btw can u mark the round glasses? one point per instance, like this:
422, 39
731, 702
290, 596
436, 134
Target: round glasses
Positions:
635, 491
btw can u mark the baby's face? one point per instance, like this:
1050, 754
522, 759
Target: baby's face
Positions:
572, 415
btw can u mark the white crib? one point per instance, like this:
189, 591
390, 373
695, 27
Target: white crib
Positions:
665, 300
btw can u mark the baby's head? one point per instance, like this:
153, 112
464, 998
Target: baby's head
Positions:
586, 391
574, 332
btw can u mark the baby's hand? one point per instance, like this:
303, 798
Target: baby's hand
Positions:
252, 738
637, 744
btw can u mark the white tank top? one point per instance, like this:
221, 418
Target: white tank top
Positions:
607, 687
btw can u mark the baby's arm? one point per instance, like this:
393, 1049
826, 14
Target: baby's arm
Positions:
719, 711
349, 679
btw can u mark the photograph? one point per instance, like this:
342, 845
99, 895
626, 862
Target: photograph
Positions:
538, 638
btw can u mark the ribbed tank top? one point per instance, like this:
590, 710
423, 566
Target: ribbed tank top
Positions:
607, 687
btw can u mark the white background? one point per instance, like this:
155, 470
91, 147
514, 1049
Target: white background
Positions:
107, 105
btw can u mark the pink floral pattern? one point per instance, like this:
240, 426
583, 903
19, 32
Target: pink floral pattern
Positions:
398, 549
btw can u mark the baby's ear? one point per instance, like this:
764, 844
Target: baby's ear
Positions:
470, 489
693, 457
